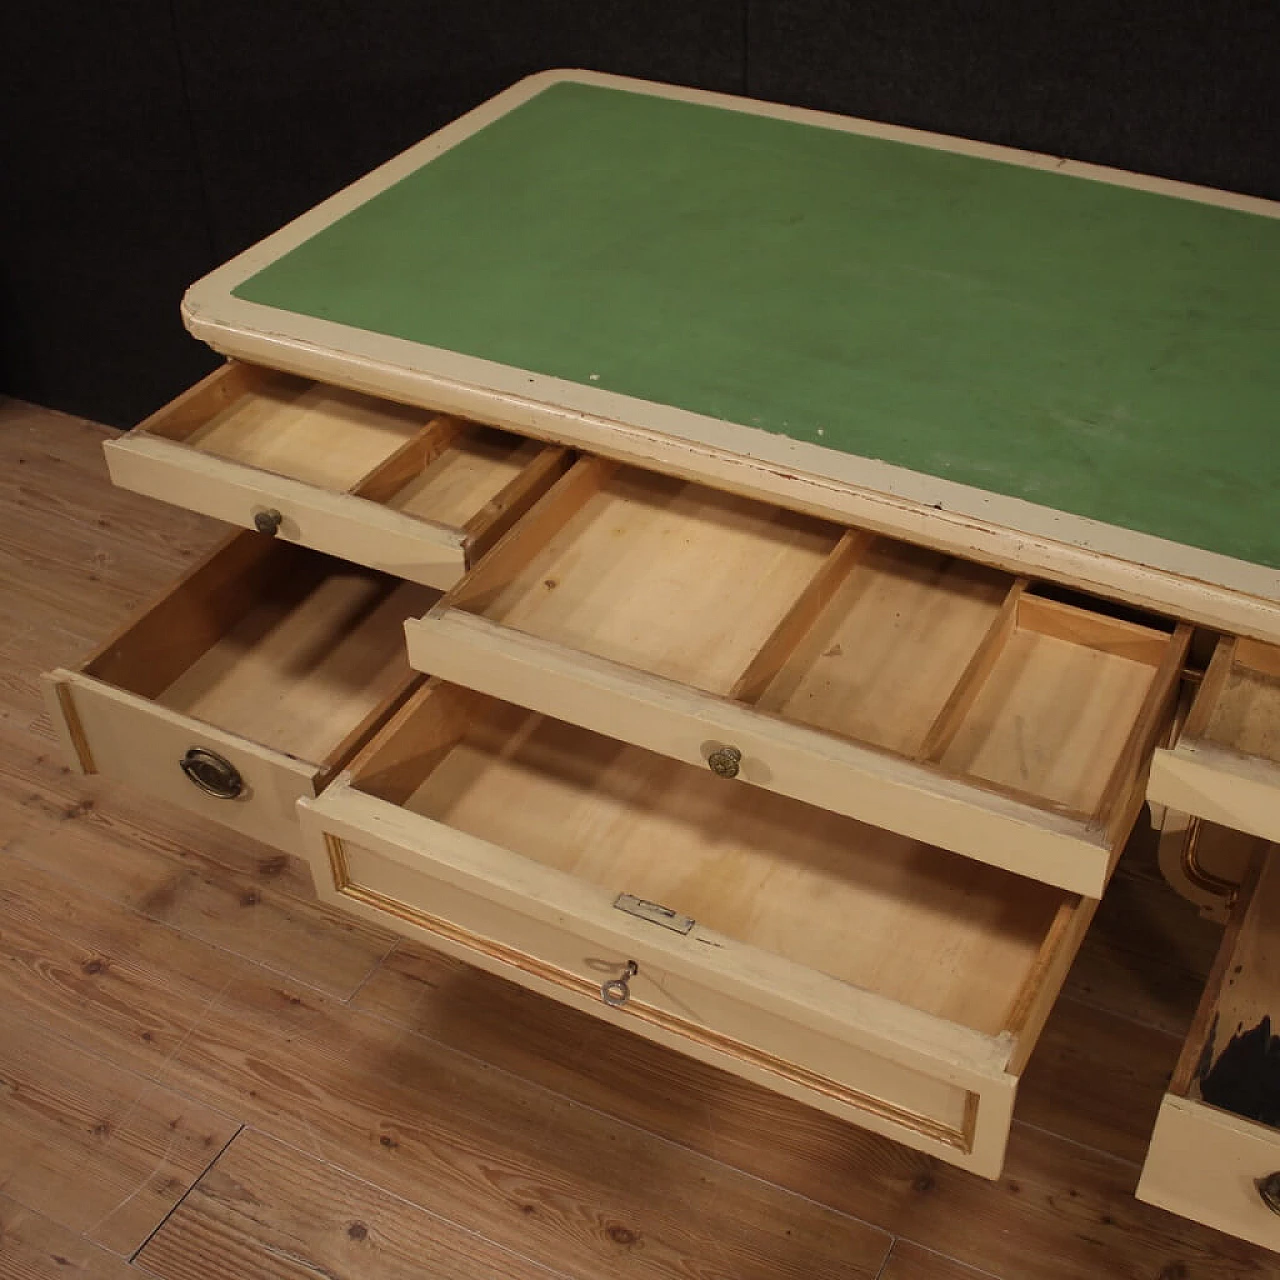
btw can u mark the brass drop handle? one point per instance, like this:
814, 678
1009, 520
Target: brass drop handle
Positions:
725, 761
267, 521
1269, 1190
617, 991
212, 773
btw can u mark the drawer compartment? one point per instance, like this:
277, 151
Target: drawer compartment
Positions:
394, 488
890, 983
1215, 1152
1225, 765
245, 686
943, 700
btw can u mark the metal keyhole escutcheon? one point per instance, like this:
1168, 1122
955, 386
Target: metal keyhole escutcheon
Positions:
617, 991
1269, 1190
267, 521
212, 773
724, 762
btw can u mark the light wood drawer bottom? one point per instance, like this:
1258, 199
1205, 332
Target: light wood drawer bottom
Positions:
245, 686
890, 983
1216, 1143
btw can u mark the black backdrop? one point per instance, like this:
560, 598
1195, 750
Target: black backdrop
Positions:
147, 140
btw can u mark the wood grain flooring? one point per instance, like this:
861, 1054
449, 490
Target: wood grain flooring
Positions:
204, 1072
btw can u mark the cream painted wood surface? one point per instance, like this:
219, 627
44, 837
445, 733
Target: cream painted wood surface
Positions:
1011, 533
280, 660
1206, 1162
1225, 765
939, 699
877, 978
384, 485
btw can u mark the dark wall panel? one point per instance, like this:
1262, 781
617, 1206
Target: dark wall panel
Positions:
1185, 90
291, 102
101, 220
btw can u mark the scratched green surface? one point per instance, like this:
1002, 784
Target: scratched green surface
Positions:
1100, 351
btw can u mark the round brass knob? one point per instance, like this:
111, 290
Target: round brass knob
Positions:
1269, 1190
267, 521
212, 773
725, 761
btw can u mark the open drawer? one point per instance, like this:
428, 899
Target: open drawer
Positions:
394, 488
1215, 1152
893, 984
1225, 765
937, 698
245, 686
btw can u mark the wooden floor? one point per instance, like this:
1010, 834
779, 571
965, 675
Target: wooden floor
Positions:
205, 1074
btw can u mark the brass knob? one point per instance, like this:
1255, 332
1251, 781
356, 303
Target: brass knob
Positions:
1269, 1190
212, 773
617, 991
724, 762
267, 521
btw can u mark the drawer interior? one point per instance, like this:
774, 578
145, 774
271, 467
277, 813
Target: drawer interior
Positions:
431, 467
1231, 1059
1239, 704
280, 645
947, 663
954, 938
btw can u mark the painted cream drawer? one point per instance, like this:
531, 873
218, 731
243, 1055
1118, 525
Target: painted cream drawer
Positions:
245, 686
888, 982
398, 489
1215, 1152
937, 698
1225, 765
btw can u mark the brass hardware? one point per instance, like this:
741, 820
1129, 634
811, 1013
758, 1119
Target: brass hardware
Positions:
267, 521
212, 773
1269, 1190
1204, 880
724, 762
654, 912
617, 991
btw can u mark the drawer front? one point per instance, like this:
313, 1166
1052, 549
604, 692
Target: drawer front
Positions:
136, 742
1225, 765
1215, 1152
397, 489
339, 524
963, 1120
554, 858
1212, 1167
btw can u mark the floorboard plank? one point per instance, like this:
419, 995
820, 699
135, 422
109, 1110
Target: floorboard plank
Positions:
910, 1262
101, 1150
265, 1211
33, 1247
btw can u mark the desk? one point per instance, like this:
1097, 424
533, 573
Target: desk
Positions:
859, 411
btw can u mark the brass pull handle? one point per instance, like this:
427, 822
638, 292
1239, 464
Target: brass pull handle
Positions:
1269, 1190
724, 762
212, 773
617, 991
267, 521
